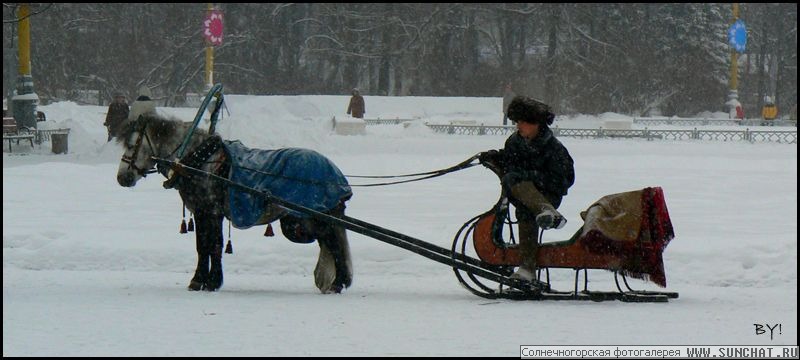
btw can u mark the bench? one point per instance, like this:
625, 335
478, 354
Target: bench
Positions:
12, 133
17, 138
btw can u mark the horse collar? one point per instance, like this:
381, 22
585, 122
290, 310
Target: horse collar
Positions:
204, 151
194, 159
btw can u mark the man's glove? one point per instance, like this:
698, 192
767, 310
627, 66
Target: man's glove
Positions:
490, 156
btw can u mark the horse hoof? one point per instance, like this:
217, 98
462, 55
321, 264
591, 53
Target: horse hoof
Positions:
195, 286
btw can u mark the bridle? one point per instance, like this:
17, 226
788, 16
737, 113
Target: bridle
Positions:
132, 159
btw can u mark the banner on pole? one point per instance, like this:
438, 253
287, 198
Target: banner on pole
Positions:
212, 27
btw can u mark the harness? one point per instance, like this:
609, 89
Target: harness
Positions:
196, 159
132, 160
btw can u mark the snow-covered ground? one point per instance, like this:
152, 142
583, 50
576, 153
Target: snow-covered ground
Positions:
94, 269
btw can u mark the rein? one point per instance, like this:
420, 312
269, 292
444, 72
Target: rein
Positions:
211, 145
424, 175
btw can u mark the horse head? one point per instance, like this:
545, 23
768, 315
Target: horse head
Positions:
144, 138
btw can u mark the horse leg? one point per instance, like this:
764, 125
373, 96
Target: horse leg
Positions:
334, 270
340, 248
325, 271
201, 272
209, 252
214, 281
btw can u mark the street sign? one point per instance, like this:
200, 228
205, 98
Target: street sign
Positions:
737, 36
212, 27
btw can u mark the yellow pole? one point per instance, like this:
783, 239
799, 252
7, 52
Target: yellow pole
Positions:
209, 59
24, 40
24, 103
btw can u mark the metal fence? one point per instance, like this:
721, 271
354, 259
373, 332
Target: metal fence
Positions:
788, 137
380, 121
44, 135
707, 121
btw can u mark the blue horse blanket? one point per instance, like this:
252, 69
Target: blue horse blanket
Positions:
300, 176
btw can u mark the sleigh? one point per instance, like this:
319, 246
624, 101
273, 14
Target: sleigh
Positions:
624, 233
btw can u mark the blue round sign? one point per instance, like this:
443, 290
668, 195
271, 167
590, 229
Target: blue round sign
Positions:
737, 36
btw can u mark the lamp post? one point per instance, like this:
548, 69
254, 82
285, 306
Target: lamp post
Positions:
737, 38
24, 103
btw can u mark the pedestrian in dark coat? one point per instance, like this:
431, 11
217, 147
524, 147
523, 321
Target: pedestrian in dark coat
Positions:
538, 170
117, 113
357, 107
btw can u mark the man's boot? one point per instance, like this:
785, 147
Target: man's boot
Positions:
547, 217
528, 247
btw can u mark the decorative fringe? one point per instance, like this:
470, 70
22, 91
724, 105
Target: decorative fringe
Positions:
269, 231
191, 224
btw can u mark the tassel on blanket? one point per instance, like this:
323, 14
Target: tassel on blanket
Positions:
229, 247
183, 222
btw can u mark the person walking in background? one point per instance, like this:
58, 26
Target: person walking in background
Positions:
508, 95
735, 109
739, 112
357, 106
144, 104
538, 172
117, 113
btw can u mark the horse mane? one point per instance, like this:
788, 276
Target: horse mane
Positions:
159, 127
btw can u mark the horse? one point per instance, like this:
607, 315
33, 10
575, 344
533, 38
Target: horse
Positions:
211, 200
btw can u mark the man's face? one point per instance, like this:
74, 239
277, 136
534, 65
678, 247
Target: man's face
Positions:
528, 130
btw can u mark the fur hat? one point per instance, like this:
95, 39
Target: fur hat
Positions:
144, 93
523, 108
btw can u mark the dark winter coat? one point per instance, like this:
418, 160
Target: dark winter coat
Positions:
357, 107
117, 113
543, 161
